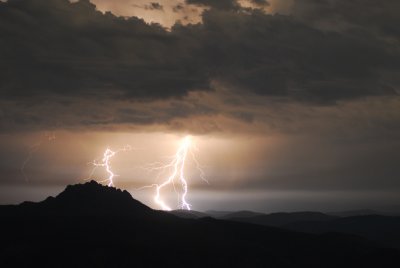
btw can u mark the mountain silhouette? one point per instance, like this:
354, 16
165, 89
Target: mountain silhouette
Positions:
384, 229
358, 212
189, 214
90, 225
92, 198
279, 219
241, 214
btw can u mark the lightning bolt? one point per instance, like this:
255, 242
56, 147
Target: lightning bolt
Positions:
32, 150
105, 162
177, 166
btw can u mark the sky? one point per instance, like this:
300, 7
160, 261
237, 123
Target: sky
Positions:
291, 104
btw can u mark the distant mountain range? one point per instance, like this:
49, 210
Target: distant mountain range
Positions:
90, 225
359, 212
366, 223
283, 218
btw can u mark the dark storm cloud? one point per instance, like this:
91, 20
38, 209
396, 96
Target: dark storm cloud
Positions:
63, 48
220, 4
53, 49
260, 2
371, 15
279, 56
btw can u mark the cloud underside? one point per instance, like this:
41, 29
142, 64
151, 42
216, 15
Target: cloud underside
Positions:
58, 52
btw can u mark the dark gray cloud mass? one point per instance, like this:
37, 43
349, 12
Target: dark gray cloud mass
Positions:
278, 56
221, 4
374, 16
260, 2
60, 48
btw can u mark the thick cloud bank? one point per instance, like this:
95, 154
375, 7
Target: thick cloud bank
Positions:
63, 48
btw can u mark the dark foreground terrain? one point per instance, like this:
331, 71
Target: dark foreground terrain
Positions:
90, 225
379, 228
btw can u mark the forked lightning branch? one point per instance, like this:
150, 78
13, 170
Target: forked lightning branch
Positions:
175, 170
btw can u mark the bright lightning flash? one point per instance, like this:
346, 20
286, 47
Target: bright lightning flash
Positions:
177, 165
105, 162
